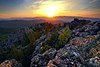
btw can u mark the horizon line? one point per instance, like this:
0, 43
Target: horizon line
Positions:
46, 17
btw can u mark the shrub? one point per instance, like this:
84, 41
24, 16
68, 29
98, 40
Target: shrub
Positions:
63, 37
16, 52
25, 40
31, 37
44, 48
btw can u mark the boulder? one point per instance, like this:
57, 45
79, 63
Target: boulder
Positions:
94, 61
42, 59
10, 63
66, 57
78, 41
76, 23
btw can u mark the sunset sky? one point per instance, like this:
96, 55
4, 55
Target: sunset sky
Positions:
37, 8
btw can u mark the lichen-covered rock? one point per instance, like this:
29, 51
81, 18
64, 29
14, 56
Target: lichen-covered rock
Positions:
10, 63
41, 60
94, 61
77, 55
80, 49
67, 56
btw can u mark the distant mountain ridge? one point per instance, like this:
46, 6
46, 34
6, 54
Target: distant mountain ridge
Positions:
64, 18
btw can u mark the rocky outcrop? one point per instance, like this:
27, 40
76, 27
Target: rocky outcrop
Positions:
39, 42
67, 56
82, 40
16, 36
94, 61
74, 56
76, 23
13, 37
10, 63
41, 60
76, 53
87, 29
81, 49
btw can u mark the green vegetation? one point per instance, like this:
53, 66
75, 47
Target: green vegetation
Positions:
35, 28
56, 41
25, 40
33, 36
63, 37
41, 37
16, 52
22, 49
3, 37
50, 42
44, 48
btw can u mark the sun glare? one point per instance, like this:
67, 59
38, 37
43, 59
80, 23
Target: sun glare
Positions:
48, 10
51, 10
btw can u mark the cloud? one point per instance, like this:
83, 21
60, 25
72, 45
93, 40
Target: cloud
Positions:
6, 5
31, 6
92, 1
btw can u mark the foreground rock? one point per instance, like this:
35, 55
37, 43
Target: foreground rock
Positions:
73, 56
41, 60
11, 63
67, 56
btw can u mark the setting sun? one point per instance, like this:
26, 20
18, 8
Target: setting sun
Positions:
51, 10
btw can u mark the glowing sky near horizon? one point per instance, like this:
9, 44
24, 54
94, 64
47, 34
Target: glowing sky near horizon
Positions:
36, 8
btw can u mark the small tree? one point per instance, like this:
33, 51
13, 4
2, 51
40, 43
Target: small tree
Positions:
44, 48
25, 40
31, 37
63, 37
16, 52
